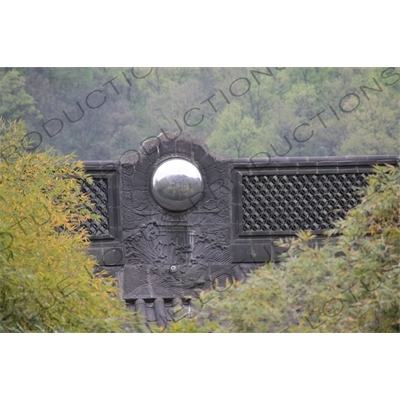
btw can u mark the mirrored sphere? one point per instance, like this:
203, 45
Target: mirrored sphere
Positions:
177, 184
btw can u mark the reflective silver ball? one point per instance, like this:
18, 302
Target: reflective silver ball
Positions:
177, 184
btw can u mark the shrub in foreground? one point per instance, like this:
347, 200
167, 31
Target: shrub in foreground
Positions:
47, 283
349, 284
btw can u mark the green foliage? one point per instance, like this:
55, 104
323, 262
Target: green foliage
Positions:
235, 134
47, 280
15, 102
276, 103
349, 284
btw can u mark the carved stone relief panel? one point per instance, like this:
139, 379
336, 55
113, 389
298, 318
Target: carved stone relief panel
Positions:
176, 218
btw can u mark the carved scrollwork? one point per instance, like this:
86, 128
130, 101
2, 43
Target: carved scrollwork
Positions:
175, 249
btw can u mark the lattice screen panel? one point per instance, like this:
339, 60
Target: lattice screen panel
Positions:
99, 196
298, 202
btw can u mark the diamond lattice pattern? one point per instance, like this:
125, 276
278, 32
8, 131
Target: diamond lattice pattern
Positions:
298, 202
98, 192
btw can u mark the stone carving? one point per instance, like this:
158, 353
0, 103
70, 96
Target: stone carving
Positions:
205, 228
172, 253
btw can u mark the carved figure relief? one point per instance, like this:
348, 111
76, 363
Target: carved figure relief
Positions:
176, 211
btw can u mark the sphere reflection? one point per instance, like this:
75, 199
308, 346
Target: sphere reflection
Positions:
177, 184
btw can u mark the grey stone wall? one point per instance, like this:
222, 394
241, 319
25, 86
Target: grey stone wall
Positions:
229, 229
171, 253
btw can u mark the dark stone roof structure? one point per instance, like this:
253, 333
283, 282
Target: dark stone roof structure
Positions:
159, 312
177, 218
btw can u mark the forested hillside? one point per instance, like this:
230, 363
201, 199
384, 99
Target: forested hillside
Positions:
99, 113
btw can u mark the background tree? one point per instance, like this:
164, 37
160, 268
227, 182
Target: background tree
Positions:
47, 279
15, 102
275, 103
235, 134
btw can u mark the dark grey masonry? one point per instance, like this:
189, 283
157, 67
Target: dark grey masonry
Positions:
162, 255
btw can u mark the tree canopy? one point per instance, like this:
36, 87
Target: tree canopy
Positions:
101, 112
47, 279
